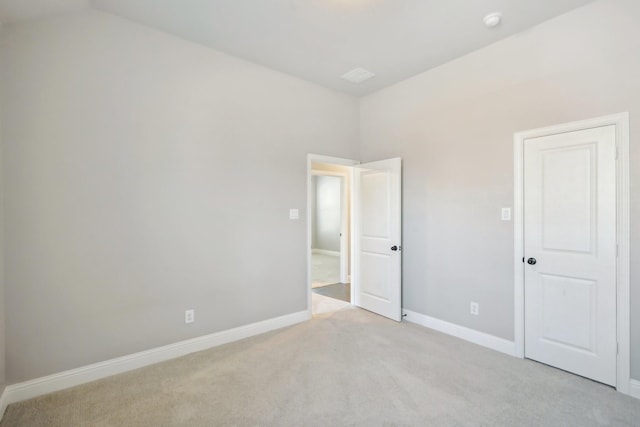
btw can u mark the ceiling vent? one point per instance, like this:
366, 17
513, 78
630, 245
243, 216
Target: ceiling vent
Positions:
358, 75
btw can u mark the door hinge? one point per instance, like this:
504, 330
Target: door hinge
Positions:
617, 250
522, 259
617, 348
616, 152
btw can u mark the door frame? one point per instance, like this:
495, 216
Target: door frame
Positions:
621, 122
318, 158
344, 226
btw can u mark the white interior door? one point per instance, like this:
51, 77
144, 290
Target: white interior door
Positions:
376, 274
570, 251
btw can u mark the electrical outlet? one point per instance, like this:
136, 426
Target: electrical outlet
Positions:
189, 316
474, 308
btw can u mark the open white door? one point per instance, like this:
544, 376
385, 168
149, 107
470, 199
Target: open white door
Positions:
376, 273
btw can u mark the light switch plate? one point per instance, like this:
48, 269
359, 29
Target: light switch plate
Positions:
506, 214
294, 214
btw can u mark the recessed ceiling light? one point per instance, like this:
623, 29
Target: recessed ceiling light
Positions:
492, 19
358, 75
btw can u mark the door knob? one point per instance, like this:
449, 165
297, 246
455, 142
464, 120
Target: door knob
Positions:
531, 261
395, 248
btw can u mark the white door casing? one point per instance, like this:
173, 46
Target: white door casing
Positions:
570, 250
623, 234
311, 159
376, 271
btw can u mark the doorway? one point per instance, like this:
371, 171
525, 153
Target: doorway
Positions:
330, 212
371, 235
571, 245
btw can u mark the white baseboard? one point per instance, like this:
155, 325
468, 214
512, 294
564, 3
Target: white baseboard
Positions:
325, 252
39, 386
495, 343
3, 403
634, 388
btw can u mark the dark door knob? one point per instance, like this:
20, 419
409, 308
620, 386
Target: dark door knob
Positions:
531, 261
394, 248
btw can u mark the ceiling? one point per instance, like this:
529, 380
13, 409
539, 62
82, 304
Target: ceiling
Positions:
320, 40
23, 10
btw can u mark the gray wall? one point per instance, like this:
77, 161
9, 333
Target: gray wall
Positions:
453, 126
140, 172
327, 212
2, 303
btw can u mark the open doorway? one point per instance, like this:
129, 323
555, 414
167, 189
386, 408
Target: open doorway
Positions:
329, 202
370, 241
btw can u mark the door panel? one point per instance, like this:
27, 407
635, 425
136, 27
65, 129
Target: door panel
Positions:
567, 209
568, 308
375, 202
376, 272
570, 230
377, 268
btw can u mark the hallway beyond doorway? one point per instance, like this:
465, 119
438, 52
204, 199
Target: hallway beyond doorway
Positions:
325, 270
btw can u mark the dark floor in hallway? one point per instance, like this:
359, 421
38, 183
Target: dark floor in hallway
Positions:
341, 291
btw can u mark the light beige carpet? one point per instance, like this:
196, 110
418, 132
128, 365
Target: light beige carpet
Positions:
347, 368
321, 304
325, 270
